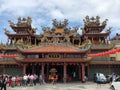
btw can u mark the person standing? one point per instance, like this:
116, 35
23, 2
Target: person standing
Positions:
4, 82
40, 79
25, 78
98, 80
54, 79
35, 79
31, 79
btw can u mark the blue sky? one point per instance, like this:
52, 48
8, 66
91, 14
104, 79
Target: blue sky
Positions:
43, 11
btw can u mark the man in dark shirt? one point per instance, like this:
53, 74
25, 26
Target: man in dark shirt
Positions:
4, 82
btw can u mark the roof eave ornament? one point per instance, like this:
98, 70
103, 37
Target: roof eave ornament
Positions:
11, 23
60, 24
6, 31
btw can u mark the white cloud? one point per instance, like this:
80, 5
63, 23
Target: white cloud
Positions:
42, 12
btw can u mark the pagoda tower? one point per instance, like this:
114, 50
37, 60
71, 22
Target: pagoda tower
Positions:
24, 33
93, 30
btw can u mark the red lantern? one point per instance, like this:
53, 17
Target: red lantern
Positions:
2, 55
118, 49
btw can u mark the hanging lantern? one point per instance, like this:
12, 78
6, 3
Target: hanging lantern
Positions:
118, 49
7, 55
98, 55
12, 56
2, 55
107, 53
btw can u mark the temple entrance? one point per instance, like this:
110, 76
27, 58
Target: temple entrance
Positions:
73, 72
33, 69
52, 70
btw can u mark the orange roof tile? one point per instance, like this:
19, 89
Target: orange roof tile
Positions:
47, 49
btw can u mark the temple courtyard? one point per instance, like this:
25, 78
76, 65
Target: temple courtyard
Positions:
62, 86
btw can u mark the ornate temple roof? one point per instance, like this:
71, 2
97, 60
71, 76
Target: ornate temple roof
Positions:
52, 49
22, 22
93, 24
94, 21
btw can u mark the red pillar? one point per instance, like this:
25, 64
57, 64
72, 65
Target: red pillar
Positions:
65, 73
83, 72
24, 69
42, 69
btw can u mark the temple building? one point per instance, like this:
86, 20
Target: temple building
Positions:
59, 50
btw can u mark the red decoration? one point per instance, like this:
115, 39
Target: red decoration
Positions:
9, 56
118, 49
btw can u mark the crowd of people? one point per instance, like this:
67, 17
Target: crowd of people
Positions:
25, 80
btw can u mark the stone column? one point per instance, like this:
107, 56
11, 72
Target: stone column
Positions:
42, 69
65, 73
83, 72
24, 69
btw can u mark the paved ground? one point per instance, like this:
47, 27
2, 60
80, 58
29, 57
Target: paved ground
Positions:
67, 86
